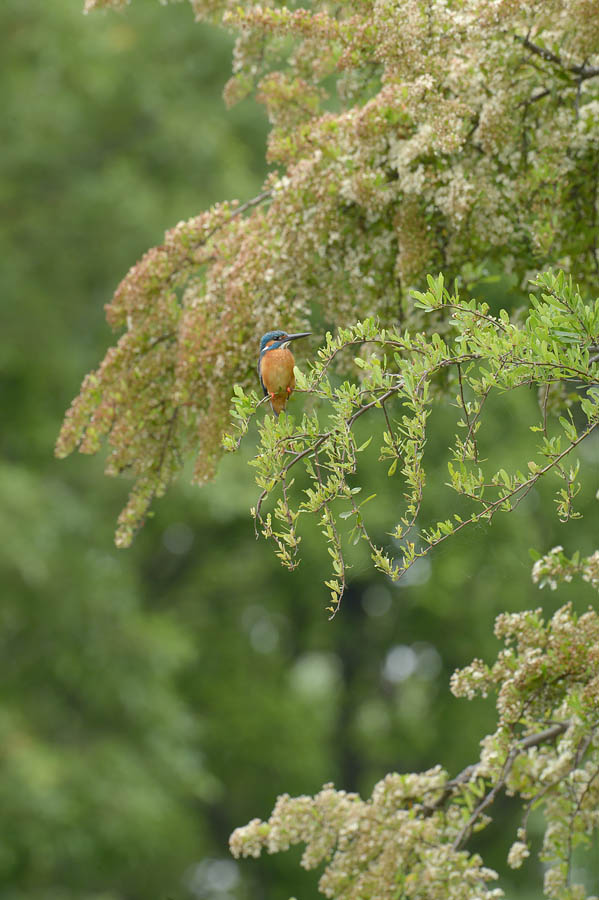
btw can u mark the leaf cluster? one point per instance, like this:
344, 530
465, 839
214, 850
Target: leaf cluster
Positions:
400, 376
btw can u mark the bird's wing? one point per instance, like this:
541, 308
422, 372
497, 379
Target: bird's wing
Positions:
260, 374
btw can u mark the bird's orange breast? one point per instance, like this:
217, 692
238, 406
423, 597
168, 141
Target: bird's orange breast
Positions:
276, 369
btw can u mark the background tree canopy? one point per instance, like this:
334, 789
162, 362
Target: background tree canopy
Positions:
404, 137
175, 691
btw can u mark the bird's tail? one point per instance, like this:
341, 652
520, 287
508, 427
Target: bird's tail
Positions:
278, 404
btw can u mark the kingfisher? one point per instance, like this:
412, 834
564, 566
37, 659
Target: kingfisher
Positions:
275, 367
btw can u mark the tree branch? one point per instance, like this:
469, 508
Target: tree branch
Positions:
582, 71
533, 740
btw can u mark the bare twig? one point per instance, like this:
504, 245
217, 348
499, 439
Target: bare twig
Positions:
584, 72
533, 740
545, 398
337, 542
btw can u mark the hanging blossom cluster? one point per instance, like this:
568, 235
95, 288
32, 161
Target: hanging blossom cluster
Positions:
406, 138
556, 567
410, 838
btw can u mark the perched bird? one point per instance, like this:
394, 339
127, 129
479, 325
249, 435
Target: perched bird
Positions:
275, 367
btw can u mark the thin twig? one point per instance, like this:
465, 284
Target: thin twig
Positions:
493, 507
472, 312
533, 740
391, 435
337, 542
545, 398
582, 71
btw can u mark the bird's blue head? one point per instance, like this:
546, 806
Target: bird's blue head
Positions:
278, 339
272, 336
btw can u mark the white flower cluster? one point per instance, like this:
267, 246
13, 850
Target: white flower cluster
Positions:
409, 835
460, 138
371, 848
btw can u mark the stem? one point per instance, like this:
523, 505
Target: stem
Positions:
532, 740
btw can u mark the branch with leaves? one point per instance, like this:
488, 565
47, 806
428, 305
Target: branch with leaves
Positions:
406, 138
399, 380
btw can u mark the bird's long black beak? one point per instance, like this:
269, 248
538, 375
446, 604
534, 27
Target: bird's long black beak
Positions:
294, 337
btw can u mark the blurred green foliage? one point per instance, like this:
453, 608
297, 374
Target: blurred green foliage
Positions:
153, 700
